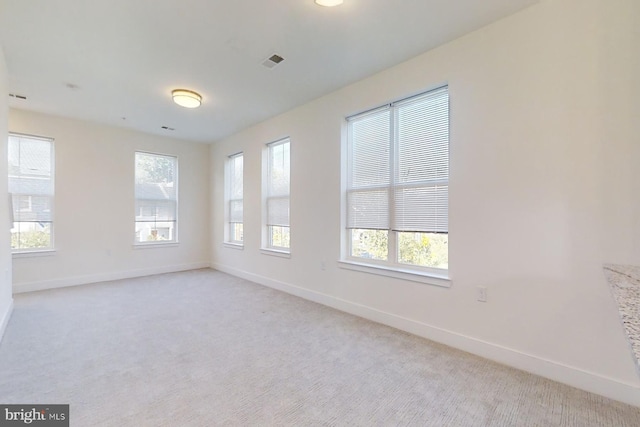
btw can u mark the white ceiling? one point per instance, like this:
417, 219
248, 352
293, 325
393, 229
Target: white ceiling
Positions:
122, 58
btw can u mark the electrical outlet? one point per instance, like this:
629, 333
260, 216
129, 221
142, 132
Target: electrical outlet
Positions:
481, 292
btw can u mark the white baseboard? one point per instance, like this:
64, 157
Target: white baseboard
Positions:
104, 277
5, 319
575, 377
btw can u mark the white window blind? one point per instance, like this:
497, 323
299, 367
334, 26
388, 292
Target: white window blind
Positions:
156, 198
370, 170
31, 185
235, 200
421, 188
398, 178
277, 197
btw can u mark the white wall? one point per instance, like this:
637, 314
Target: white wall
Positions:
94, 205
6, 301
619, 106
543, 191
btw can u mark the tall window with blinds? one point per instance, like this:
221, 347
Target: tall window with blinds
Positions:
234, 200
397, 195
156, 193
277, 196
31, 186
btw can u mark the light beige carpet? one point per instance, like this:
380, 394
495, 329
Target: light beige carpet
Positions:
203, 348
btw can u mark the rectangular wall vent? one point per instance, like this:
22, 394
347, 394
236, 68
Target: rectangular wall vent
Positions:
272, 61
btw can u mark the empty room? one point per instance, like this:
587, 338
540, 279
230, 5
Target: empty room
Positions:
320, 213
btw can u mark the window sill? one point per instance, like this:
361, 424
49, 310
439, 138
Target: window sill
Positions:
275, 252
31, 254
398, 273
236, 246
155, 245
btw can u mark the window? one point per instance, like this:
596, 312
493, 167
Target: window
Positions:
156, 190
398, 184
234, 200
31, 173
277, 196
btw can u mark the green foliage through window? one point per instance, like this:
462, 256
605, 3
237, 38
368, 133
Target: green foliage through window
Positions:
370, 244
30, 239
424, 249
280, 237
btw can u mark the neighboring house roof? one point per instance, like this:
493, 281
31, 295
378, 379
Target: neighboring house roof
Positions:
159, 191
34, 185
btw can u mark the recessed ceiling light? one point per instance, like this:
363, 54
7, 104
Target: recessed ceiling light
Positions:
186, 98
329, 3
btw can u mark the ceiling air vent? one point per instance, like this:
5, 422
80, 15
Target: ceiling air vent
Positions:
272, 61
13, 95
167, 128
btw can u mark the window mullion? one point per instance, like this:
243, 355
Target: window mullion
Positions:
392, 242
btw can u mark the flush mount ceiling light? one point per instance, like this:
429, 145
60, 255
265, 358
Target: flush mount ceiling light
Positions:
329, 3
186, 98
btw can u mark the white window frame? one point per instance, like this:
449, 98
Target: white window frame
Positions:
391, 266
157, 243
267, 243
230, 237
16, 210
